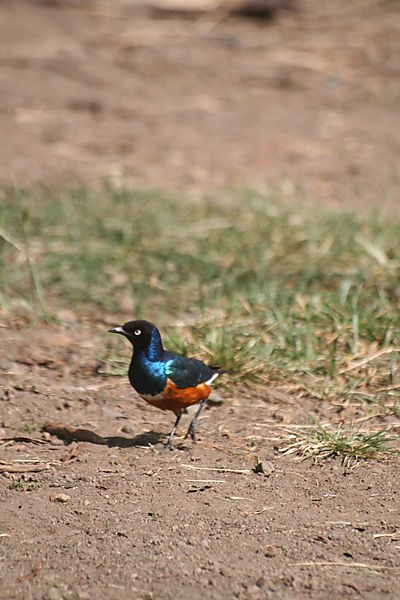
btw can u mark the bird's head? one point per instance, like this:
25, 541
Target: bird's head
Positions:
141, 334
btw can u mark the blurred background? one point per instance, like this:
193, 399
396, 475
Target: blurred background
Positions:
204, 94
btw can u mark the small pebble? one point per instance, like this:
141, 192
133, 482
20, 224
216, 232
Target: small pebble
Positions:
127, 428
59, 498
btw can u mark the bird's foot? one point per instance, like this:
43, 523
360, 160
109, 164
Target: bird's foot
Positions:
190, 432
169, 446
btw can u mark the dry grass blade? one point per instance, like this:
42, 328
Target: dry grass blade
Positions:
368, 359
394, 535
354, 565
33, 271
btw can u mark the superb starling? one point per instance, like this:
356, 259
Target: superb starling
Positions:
165, 379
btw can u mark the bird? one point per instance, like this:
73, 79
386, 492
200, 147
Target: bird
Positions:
165, 379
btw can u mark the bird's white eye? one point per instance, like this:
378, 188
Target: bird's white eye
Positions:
137, 331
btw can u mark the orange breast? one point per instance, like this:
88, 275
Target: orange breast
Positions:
177, 399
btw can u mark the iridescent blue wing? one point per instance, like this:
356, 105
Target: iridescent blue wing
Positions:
187, 372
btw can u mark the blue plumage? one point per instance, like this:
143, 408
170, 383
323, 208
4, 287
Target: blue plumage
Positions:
149, 376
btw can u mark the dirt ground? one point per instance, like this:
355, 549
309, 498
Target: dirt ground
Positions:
138, 521
308, 103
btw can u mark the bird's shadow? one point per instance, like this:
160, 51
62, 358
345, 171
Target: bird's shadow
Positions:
149, 438
74, 434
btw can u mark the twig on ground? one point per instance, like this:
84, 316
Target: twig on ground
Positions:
205, 480
22, 438
37, 468
35, 571
218, 469
261, 510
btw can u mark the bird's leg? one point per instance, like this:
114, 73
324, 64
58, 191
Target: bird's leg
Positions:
171, 435
192, 425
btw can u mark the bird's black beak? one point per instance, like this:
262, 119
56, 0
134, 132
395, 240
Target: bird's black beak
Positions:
117, 330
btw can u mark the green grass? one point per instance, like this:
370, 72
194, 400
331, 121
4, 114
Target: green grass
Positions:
29, 427
349, 444
267, 291
23, 485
